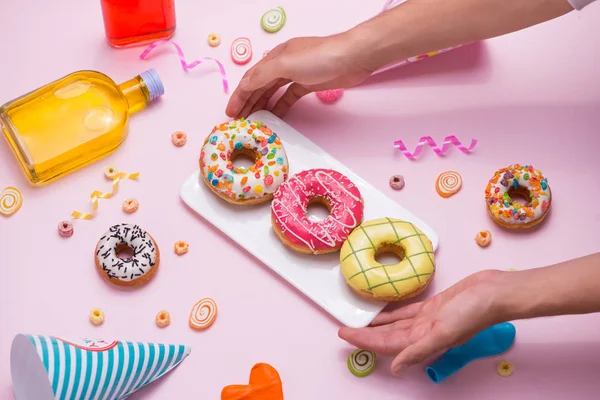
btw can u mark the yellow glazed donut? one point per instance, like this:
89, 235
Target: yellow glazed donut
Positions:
393, 282
522, 181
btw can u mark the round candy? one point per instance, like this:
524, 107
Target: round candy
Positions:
130, 205
397, 182
213, 40
273, 20
163, 318
179, 138
203, 314
330, 96
110, 172
361, 362
97, 316
181, 247
448, 183
505, 368
483, 238
241, 51
10, 201
65, 229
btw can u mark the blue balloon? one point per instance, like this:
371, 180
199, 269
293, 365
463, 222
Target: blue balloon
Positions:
490, 342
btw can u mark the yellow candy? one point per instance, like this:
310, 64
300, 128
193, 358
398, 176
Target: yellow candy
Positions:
505, 368
258, 189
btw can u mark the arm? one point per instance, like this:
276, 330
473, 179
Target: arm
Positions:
571, 287
410, 29
420, 330
421, 26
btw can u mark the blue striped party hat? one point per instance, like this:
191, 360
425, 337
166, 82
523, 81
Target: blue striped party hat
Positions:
48, 368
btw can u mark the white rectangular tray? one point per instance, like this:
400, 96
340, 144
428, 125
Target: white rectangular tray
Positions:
318, 277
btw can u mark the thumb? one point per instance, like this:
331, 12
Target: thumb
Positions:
262, 74
416, 353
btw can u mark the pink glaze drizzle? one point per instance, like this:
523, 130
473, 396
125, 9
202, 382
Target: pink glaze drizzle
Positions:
290, 202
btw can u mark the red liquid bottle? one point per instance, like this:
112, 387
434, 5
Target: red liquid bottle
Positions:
138, 22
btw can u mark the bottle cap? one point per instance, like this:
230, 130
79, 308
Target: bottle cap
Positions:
153, 83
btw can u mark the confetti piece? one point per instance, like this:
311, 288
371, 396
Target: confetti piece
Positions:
439, 151
273, 20
104, 195
241, 51
448, 183
361, 362
186, 67
203, 314
11, 200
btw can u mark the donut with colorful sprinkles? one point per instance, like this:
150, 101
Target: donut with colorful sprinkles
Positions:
518, 181
325, 186
244, 186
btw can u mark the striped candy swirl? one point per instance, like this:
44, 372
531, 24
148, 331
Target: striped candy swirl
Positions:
449, 183
10, 201
241, 51
273, 20
361, 362
203, 314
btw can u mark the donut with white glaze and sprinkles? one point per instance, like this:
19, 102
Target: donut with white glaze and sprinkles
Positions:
328, 187
243, 186
133, 271
518, 181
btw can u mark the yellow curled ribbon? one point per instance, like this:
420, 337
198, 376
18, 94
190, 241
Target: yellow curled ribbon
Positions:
102, 195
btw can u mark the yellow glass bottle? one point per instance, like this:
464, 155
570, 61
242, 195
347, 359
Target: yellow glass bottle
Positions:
74, 121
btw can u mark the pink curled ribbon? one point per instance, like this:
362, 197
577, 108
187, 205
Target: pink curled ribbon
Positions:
184, 64
439, 151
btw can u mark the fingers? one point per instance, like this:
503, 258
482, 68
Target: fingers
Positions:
257, 78
388, 317
261, 104
294, 93
254, 98
237, 100
388, 342
417, 352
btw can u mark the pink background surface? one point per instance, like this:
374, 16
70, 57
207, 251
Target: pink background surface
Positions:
532, 97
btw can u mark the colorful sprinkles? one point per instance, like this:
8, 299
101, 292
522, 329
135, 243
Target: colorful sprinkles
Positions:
251, 138
518, 180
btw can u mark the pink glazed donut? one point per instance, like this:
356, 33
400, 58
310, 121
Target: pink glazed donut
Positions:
325, 186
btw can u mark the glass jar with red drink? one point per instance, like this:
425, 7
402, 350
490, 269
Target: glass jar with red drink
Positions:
137, 22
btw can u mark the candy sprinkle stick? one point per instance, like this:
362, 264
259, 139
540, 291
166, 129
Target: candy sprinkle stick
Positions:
241, 51
273, 20
361, 362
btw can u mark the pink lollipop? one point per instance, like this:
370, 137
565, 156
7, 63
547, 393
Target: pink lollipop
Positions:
241, 51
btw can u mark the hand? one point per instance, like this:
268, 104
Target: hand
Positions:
308, 63
420, 330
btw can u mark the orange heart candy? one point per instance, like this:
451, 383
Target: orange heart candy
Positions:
265, 384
